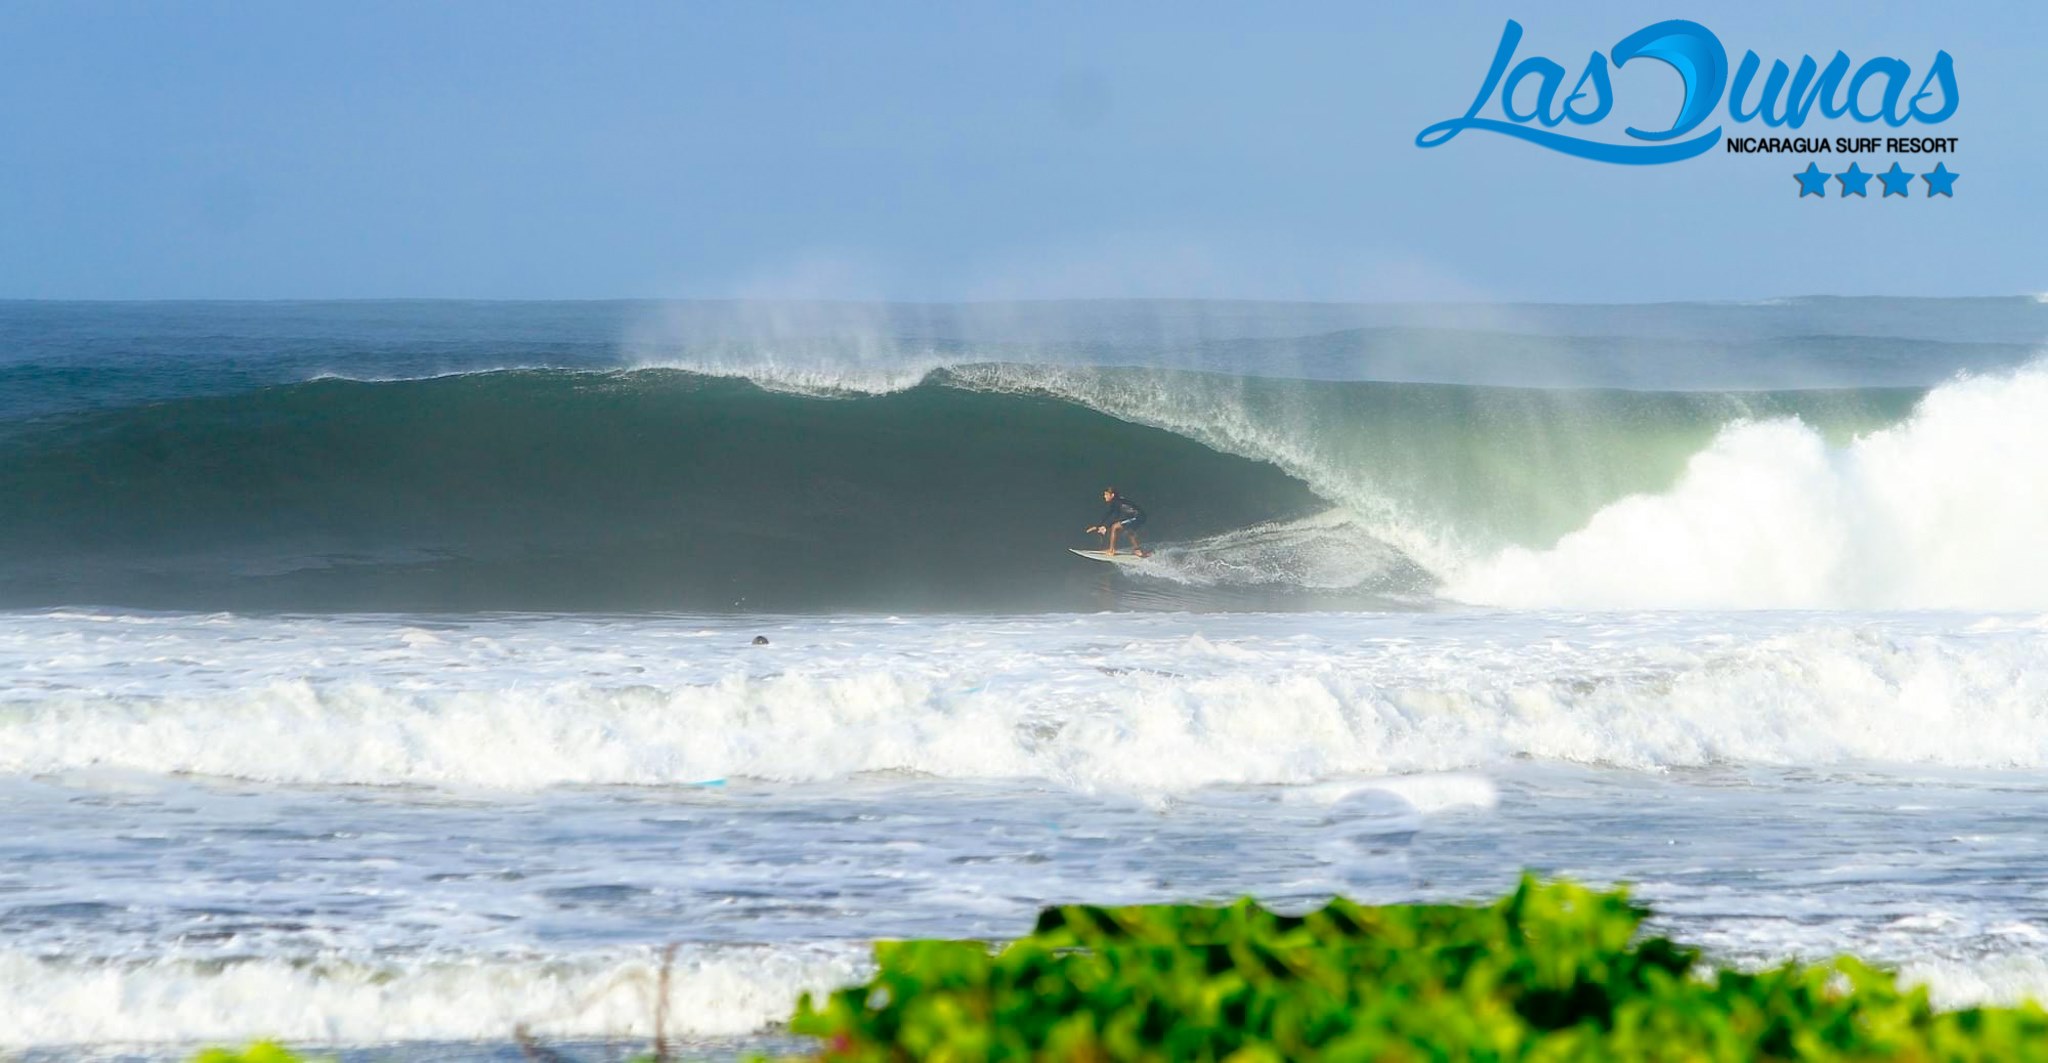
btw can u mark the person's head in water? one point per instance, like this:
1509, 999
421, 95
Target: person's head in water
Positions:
1108, 493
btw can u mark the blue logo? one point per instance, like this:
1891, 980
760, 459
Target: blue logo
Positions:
1528, 95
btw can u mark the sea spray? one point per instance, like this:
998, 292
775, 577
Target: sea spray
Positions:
1944, 510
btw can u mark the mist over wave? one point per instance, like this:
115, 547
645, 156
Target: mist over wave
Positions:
1944, 510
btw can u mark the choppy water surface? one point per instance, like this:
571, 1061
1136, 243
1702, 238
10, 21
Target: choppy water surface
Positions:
381, 676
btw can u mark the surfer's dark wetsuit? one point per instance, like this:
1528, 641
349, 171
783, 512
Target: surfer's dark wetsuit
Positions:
1123, 513
1122, 517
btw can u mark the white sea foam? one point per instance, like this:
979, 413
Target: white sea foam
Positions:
1155, 704
155, 908
2002, 979
1327, 551
712, 991
1942, 511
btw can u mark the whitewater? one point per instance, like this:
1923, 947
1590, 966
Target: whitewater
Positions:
387, 678
1140, 705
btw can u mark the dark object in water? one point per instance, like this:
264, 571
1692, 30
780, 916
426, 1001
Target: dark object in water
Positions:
760, 640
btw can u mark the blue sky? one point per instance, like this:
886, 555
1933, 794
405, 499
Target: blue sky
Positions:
949, 151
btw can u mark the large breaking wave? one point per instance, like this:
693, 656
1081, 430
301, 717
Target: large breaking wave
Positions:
955, 488
1944, 510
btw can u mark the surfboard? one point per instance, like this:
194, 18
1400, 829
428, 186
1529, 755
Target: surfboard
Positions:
1123, 557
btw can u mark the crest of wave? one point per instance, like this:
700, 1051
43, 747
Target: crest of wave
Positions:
815, 372
1946, 509
822, 349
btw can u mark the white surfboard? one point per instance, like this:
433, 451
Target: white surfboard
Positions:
1121, 557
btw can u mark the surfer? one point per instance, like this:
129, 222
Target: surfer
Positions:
1122, 515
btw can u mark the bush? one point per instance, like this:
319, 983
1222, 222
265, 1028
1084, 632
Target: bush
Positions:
260, 1052
1550, 972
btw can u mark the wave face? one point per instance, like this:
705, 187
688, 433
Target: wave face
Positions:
667, 489
766, 458
566, 490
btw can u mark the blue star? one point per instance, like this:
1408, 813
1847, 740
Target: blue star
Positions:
1813, 182
1854, 181
1941, 182
1897, 182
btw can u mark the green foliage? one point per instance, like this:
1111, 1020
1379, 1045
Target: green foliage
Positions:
1552, 972
260, 1052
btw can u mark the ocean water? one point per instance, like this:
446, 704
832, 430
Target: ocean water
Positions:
382, 676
